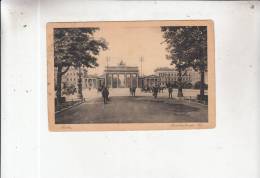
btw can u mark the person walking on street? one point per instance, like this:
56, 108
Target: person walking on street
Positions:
170, 91
105, 94
133, 91
155, 91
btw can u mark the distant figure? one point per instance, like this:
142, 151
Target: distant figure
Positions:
98, 89
155, 91
132, 91
161, 89
105, 94
170, 91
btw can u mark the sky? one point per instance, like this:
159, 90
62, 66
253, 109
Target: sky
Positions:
130, 44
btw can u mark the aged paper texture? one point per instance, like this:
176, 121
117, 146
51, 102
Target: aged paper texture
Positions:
131, 75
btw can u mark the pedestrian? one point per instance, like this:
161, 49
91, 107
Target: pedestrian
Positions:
161, 89
133, 91
170, 91
105, 94
155, 91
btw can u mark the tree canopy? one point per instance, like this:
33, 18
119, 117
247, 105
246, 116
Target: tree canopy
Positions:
187, 46
77, 46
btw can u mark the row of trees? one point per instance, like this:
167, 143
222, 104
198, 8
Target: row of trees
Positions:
188, 85
75, 47
187, 47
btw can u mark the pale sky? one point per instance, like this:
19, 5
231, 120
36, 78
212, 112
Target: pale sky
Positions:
129, 44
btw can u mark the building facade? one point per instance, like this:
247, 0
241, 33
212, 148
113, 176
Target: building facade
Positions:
150, 81
94, 81
170, 75
121, 76
165, 75
71, 77
195, 76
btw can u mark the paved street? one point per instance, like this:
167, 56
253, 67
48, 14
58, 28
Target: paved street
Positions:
123, 108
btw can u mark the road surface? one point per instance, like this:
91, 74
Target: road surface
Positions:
128, 109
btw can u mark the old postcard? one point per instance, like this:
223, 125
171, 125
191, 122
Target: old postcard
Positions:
131, 75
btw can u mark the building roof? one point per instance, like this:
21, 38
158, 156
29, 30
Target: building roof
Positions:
95, 76
150, 76
163, 69
121, 67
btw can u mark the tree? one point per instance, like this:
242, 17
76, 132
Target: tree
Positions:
197, 54
198, 84
188, 45
177, 39
75, 47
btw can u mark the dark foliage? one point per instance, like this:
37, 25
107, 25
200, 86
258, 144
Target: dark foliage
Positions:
75, 47
187, 47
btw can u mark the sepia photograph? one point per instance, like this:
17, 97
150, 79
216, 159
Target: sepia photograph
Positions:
136, 75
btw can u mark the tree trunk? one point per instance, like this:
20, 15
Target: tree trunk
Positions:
180, 94
202, 84
58, 91
80, 95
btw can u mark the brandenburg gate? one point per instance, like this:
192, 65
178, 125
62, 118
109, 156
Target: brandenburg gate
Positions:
121, 76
